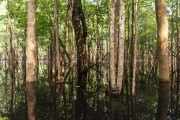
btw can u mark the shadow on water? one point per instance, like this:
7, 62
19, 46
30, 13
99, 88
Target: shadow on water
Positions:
77, 104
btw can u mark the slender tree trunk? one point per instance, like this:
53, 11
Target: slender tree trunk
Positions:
12, 70
116, 37
131, 44
56, 63
121, 45
97, 47
31, 63
172, 57
24, 67
163, 59
177, 59
64, 47
135, 48
56, 39
112, 48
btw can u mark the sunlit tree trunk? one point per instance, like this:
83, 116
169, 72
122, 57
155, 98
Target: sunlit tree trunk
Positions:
31, 63
121, 45
111, 46
163, 59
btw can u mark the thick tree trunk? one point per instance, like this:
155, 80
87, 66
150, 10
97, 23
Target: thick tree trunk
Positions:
31, 63
80, 37
80, 30
163, 59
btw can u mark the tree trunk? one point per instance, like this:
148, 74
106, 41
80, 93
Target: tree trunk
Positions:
135, 48
172, 57
163, 59
177, 59
12, 69
64, 47
56, 39
112, 48
31, 63
80, 30
56, 63
121, 45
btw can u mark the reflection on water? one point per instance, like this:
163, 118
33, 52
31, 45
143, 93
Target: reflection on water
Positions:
76, 104
163, 100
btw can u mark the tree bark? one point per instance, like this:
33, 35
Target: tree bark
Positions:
80, 30
177, 59
135, 48
112, 48
31, 63
56, 62
163, 59
121, 45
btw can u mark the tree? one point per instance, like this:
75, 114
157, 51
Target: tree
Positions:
56, 62
31, 63
111, 46
80, 30
117, 38
121, 44
177, 57
163, 59
135, 47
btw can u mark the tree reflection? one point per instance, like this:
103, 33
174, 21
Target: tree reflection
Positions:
163, 100
116, 111
80, 105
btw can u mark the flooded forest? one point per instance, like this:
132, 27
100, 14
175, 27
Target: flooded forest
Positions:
89, 59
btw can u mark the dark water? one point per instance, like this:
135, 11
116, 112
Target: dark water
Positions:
95, 105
